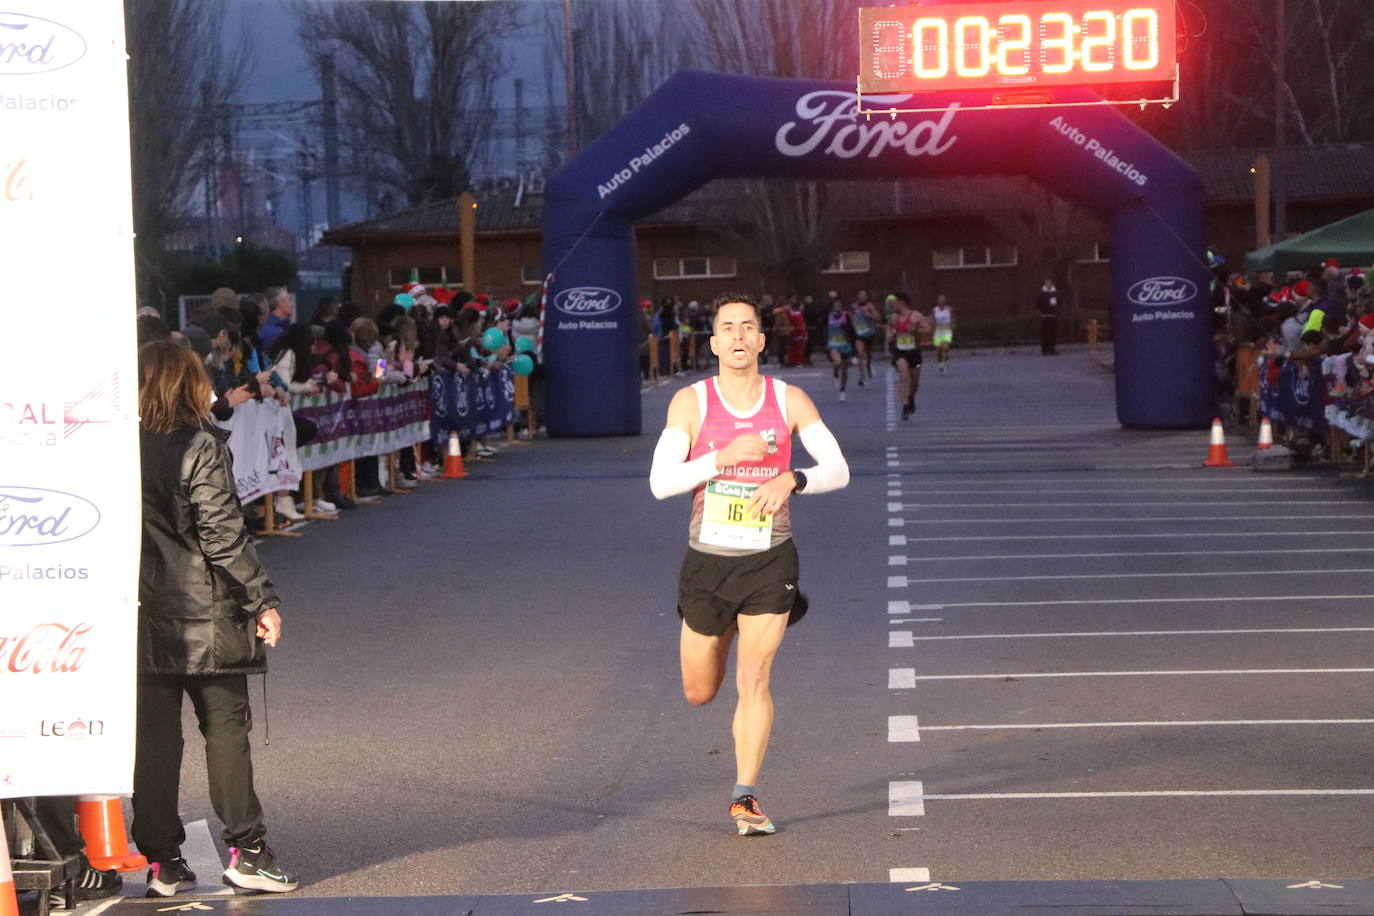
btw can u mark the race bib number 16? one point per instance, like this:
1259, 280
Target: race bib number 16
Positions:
726, 521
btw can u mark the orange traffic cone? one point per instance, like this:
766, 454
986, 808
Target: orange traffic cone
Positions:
9, 898
1216, 454
1266, 438
101, 820
453, 461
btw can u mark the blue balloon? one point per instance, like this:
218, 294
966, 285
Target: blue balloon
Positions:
522, 364
494, 339
524, 345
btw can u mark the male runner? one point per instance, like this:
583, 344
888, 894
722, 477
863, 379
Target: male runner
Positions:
904, 331
839, 337
867, 319
728, 439
943, 335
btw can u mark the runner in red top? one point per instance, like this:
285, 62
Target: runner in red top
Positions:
728, 441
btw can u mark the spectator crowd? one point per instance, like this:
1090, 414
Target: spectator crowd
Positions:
257, 348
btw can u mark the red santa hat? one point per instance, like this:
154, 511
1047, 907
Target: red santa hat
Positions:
1302, 290
413, 289
1331, 262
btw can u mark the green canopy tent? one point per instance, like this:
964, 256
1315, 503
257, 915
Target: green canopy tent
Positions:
1350, 241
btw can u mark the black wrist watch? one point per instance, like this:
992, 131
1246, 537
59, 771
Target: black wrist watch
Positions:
800, 479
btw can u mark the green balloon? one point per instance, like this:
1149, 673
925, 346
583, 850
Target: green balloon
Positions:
522, 364
494, 339
524, 345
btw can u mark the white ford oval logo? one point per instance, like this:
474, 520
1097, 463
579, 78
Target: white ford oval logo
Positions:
586, 300
1162, 291
30, 517
29, 44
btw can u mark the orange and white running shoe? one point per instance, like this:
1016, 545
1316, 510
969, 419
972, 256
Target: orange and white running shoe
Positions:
749, 817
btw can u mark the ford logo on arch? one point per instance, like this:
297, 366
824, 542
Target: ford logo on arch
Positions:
33, 517
586, 300
29, 44
1161, 291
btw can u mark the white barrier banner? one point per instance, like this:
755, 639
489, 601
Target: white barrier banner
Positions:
69, 472
262, 439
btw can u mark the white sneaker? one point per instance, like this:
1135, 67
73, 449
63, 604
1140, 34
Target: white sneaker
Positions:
428, 471
841, 396
286, 507
325, 506
405, 483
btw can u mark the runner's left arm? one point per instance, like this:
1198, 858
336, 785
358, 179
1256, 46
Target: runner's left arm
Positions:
831, 471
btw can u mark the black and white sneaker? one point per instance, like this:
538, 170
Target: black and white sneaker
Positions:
91, 884
254, 868
170, 877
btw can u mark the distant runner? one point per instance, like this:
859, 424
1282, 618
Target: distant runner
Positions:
904, 330
867, 319
728, 440
839, 343
943, 335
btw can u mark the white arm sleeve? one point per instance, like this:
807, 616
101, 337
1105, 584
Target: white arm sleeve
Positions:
672, 473
831, 471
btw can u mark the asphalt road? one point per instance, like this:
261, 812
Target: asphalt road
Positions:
1117, 664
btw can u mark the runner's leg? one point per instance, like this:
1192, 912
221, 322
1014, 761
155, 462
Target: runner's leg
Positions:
759, 638
861, 347
904, 389
703, 663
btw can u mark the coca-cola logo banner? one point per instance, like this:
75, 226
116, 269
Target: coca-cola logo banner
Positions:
1157, 291
34, 517
29, 44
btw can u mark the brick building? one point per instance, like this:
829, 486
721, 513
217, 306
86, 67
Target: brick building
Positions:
986, 243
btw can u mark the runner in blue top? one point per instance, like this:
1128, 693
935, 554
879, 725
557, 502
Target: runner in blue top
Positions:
839, 341
867, 320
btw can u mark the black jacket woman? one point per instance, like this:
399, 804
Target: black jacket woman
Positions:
206, 611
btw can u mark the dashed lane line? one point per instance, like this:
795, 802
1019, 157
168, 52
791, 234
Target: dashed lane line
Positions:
1231, 632
1119, 554
905, 581
1198, 672
1146, 724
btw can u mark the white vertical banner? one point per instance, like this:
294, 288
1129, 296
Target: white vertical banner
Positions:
69, 472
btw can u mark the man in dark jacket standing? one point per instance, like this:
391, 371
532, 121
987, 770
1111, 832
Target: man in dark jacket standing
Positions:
1047, 304
206, 611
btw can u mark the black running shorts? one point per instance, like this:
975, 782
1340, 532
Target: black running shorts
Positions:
713, 590
912, 357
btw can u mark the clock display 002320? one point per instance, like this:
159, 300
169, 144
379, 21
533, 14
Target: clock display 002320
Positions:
1019, 45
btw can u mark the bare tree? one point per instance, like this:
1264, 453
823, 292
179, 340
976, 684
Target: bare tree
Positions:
792, 224
182, 74
421, 75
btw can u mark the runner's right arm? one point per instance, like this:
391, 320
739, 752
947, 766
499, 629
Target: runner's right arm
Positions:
671, 472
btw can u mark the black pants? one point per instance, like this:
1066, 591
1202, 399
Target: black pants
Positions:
221, 705
57, 814
1049, 332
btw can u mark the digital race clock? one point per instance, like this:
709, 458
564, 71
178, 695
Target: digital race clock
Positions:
1018, 45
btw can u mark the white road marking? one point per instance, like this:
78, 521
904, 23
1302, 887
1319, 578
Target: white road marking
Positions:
908, 875
903, 728
896, 561
1149, 575
1163, 793
1118, 505
1068, 601
1160, 673
897, 620
899, 639
1179, 535
1234, 632
899, 607
901, 678
1325, 516
1209, 722
905, 799
1124, 553
896, 581
896, 540
1211, 485
894, 464
900, 522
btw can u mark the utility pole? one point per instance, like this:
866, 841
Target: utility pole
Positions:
211, 179
570, 77
1280, 124
330, 99
305, 205
519, 124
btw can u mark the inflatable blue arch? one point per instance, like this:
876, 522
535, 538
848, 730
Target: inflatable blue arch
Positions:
699, 126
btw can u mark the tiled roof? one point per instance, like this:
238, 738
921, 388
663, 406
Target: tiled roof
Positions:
1314, 173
